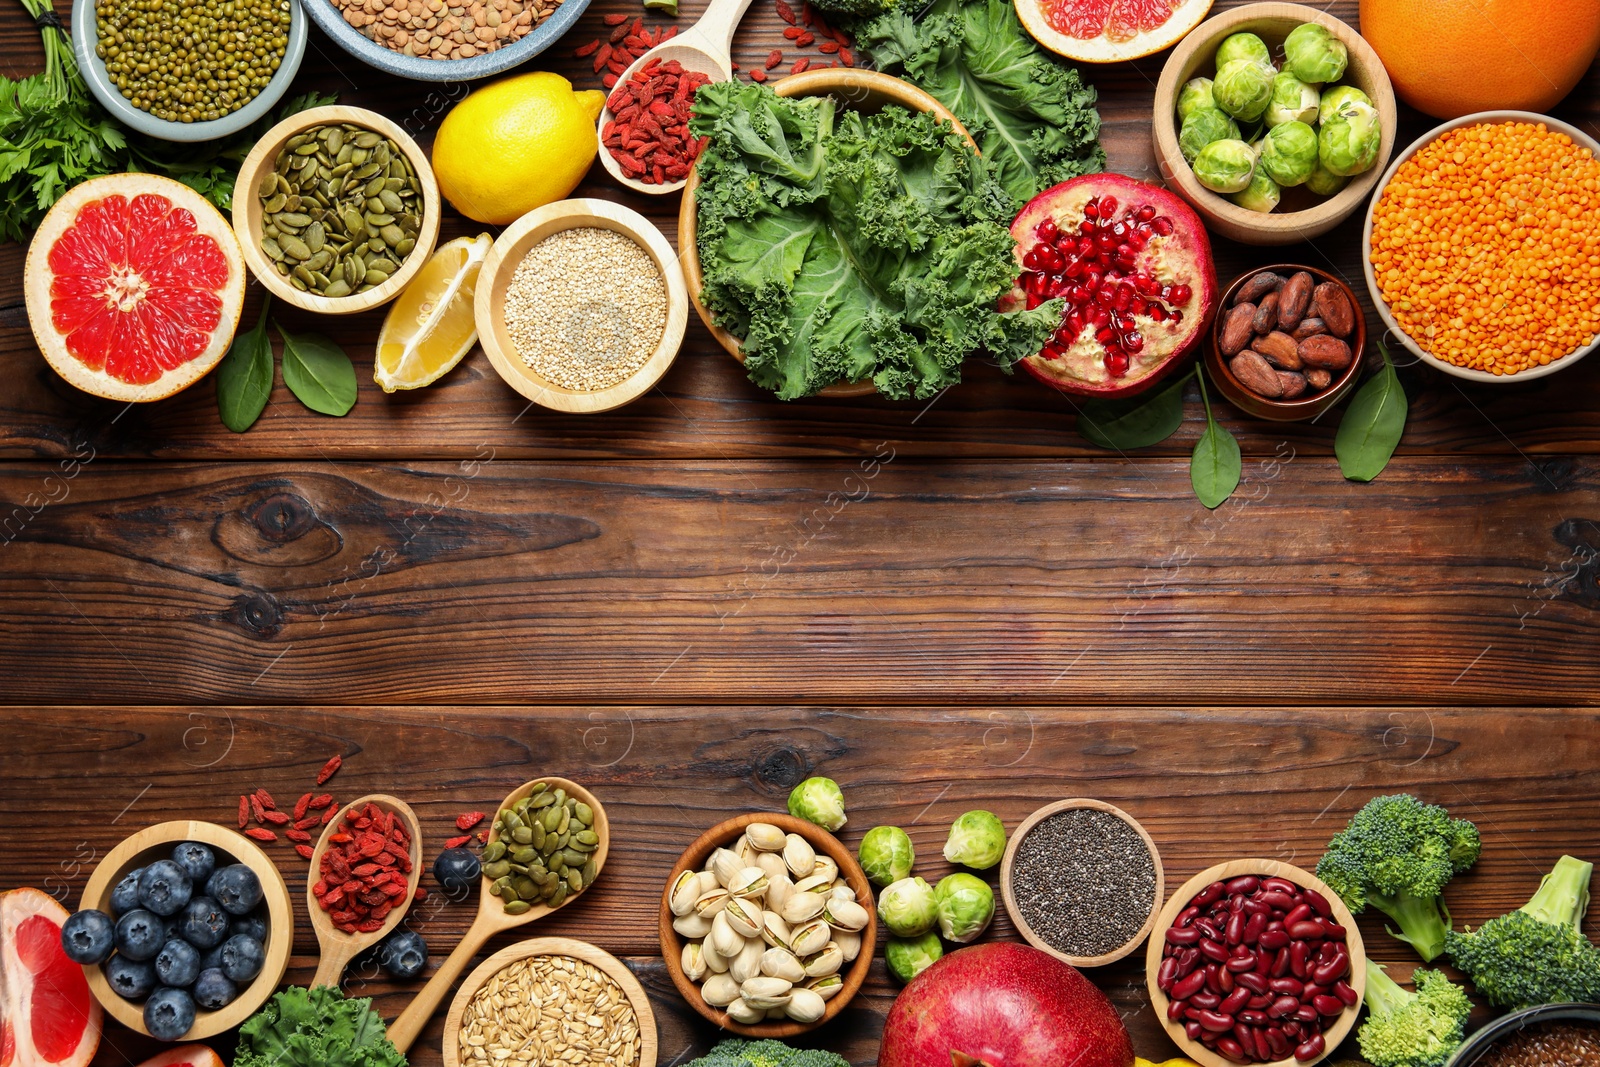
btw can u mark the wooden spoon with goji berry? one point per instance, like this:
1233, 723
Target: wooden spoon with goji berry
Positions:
364, 875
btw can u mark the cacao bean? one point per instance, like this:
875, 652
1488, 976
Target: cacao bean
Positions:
1254, 290
1293, 299
1309, 328
1293, 384
1318, 378
1325, 351
1279, 349
1266, 317
1329, 303
1237, 330
1256, 375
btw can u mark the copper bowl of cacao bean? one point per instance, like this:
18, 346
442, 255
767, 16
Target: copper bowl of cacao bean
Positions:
1288, 342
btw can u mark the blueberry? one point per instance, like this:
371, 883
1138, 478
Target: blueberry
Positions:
235, 887
242, 958
132, 979
457, 871
88, 937
251, 925
211, 959
197, 861
140, 934
164, 888
212, 990
178, 964
203, 924
125, 897
404, 954
169, 1013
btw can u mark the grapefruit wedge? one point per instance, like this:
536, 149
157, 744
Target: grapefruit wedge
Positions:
185, 1056
134, 285
1109, 31
48, 1017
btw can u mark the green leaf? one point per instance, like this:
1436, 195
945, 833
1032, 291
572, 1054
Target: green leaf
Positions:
244, 377
1372, 425
1216, 465
318, 372
1136, 422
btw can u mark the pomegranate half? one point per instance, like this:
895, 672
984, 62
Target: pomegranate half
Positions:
1133, 263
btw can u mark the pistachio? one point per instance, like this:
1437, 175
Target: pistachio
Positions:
778, 962
765, 837
747, 964
805, 1006
803, 907
849, 943
708, 882
740, 1011
680, 898
814, 884
745, 851
720, 990
773, 864
826, 865
774, 931
845, 915
840, 891
748, 883
715, 961
763, 992
800, 857
710, 904
726, 866
693, 961
826, 962
811, 937
826, 986
744, 916
724, 938
779, 888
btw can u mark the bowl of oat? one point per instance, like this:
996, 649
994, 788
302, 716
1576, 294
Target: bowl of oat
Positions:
550, 1000
581, 305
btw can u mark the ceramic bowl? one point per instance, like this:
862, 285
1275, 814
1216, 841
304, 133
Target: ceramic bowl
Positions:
85, 39
156, 843
247, 209
1302, 408
1478, 1045
1301, 215
1578, 136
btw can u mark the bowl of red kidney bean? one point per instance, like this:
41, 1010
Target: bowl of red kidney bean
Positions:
1256, 961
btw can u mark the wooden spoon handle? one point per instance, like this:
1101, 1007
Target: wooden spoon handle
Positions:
718, 24
330, 968
405, 1029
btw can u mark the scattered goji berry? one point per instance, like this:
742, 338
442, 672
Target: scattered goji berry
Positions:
615, 20
807, 15
328, 815
785, 12
828, 48
299, 836
774, 57
793, 32
805, 40
589, 49
758, 75
800, 66
329, 769
322, 801
846, 57
244, 811
609, 80
469, 820
457, 842
300, 807
261, 834
308, 822
421, 893
277, 818
266, 800
306, 851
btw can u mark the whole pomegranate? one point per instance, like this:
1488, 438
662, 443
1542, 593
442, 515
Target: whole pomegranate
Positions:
1003, 1005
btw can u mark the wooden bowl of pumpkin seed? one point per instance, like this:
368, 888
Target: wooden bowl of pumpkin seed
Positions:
337, 210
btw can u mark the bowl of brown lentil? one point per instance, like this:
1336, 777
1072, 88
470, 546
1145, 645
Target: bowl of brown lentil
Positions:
1550, 1035
336, 210
581, 305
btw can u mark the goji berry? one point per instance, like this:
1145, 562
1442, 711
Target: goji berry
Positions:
785, 12
584, 50
774, 57
277, 818
615, 20
805, 40
300, 807
329, 769
328, 815
266, 800
297, 835
258, 808
306, 851
828, 48
322, 801
608, 80
420, 894
758, 75
261, 834
793, 32
800, 66
340, 839
308, 822
846, 57
618, 34
807, 15
457, 842
244, 811
469, 820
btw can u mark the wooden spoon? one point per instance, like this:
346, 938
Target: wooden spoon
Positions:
492, 918
706, 47
339, 947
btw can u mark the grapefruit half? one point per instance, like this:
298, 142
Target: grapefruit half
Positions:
48, 1017
185, 1056
134, 285
1109, 31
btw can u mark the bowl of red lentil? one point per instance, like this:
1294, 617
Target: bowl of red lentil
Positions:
1550, 1035
1481, 250
444, 40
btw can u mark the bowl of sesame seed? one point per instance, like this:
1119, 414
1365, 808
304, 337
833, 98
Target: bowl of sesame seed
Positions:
581, 305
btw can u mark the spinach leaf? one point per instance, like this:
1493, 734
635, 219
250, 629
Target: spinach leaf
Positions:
1372, 425
1136, 422
318, 372
1216, 465
244, 377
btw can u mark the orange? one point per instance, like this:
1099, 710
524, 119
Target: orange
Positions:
1449, 58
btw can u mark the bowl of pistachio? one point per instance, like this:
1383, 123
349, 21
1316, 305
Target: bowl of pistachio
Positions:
336, 209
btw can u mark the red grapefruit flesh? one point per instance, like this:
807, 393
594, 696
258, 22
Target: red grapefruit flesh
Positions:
185, 1056
50, 1017
1109, 31
134, 285
1132, 263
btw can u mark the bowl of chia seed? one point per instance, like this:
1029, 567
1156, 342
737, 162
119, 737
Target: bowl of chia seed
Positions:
1082, 880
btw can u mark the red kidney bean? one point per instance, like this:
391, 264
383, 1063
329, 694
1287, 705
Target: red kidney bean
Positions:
1177, 1009
1230, 1048
1282, 1007
1278, 1042
1209, 895
1331, 972
1327, 1005
1235, 931
1282, 963
1186, 936
1333, 931
1212, 951
1310, 1049
1186, 916
1299, 955
1236, 1000
1207, 1038
1346, 993
1208, 929
1253, 906
1252, 981
1240, 964
1311, 992
1205, 1001
1168, 950
1214, 977
1245, 884
1188, 960
1305, 1013
1306, 930
1279, 885
1252, 1017
1296, 913
1236, 903
1192, 1030
1214, 1021
1273, 940
1263, 1047
1291, 986
1241, 1034
1225, 980
1260, 1003
1293, 1030
1167, 975
1319, 902
1273, 898
1189, 985
1253, 928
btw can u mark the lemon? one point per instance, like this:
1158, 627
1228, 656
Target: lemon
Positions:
516, 145
430, 328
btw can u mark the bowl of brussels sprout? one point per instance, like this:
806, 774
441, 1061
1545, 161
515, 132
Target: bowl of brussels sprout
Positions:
1274, 121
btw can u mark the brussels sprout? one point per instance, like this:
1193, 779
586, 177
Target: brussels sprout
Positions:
977, 840
908, 908
1240, 46
818, 800
1194, 96
1201, 128
1289, 153
1292, 101
1348, 142
966, 904
1324, 182
1243, 89
1262, 194
886, 854
1337, 95
1314, 55
908, 957
1225, 166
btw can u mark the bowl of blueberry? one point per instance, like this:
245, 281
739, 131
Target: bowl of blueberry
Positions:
184, 930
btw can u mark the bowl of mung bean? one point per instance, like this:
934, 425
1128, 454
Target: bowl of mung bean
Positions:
1482, 252
336, 209
188, 72
581, 305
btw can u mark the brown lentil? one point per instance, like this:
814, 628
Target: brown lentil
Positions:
549, 1010
439, 29
1084, 881
1552, 1044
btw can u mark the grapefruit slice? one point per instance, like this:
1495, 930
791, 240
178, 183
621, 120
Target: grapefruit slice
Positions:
185, 1056
1109, 31
134, 285
48, 1018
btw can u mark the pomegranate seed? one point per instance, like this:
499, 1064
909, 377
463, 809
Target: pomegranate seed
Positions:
1046, 230
1099, 316
1108, 207
1158, 313
1176, 316
1146, 213
1092, 208
1117, 364
1104, 335
1163, 226
1133, 341
1180, 294
1031, 259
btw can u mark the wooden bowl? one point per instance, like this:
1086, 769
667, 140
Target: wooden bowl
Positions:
339, 947
1301, 408
156, 843
1015, 911
1333, 1035
507, 254
247, 210
864, 90
553, 946
726, 833
1302, 215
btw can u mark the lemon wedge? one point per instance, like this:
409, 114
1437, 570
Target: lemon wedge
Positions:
430, 328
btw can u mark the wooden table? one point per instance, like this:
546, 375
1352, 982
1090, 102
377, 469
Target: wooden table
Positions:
694, 602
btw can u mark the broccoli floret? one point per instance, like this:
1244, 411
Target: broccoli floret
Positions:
1537, 954
1404, 1029
1396, 855
849, 10
738, 1053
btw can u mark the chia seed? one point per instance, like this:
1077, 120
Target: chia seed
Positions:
1084, 881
